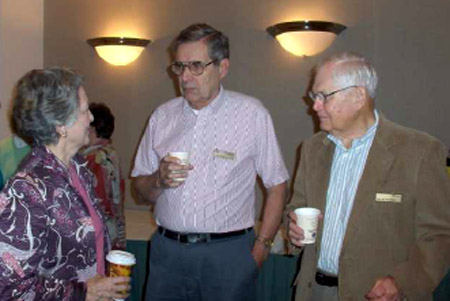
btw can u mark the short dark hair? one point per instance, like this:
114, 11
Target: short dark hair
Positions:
103, 120
218, 46
45, 99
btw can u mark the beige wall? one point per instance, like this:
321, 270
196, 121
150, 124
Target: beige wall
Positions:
21, 48
407, 41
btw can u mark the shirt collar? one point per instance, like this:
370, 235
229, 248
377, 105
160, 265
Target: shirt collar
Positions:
18, 142
370, 133
213, 106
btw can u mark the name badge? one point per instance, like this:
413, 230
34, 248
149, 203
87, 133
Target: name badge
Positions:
388, 198
223, 154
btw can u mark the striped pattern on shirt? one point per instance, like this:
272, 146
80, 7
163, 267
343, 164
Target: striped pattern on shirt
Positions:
219, 193
346, 170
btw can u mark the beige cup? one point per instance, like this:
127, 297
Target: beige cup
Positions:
120, 263
184, 158
308, 219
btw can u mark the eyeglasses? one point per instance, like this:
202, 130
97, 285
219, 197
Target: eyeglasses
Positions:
323, 97
195, 67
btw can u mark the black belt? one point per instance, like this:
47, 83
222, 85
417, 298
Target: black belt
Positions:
193, 238
326, 280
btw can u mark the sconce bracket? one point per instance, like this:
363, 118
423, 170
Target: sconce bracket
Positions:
102, 41
280, 28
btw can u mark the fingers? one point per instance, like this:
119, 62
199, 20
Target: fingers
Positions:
119, 279
173, 174
295, 233
376, 292
119, 287
385, 289
105, 288
292, 216
123, 293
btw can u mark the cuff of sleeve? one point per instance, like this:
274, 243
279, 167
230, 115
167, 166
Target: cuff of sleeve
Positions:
415, 285
79, 291
294, 250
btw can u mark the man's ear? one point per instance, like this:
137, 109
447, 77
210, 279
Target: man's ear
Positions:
361, 97
223, 67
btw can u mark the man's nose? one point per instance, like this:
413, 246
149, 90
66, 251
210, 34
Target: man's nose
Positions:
186, 74
318, 105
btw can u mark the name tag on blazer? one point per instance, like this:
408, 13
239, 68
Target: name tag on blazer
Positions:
223, 154
388, 198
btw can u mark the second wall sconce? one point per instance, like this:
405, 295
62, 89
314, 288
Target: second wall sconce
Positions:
305, 38
118, 51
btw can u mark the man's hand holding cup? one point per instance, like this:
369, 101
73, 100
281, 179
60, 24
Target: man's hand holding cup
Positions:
174, 169
303, 224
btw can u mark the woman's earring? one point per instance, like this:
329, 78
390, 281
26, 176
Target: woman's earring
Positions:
64, 134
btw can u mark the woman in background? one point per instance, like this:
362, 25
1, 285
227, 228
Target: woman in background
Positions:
52, 236
12, 150
104, 163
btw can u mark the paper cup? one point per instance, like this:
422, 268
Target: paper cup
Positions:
184, 158
308, 219
120, 263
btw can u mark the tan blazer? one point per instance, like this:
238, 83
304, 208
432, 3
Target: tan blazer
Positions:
409, 240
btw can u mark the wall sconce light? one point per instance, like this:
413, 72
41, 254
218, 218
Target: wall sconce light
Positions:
305, 38
118, 51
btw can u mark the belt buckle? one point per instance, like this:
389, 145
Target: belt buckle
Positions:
196, 238
323, 279
320, 278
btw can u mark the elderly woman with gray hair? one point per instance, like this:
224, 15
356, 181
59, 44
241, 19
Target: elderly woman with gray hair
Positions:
52, 235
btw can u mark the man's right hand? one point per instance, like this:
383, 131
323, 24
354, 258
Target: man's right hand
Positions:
171, 173
295, 233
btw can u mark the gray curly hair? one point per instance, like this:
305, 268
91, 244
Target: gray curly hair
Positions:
45, 99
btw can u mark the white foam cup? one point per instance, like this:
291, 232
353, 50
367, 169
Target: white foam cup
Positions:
184, 158
308, 219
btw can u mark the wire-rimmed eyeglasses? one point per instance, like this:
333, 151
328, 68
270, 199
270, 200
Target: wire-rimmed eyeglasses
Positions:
323, 97
195, 67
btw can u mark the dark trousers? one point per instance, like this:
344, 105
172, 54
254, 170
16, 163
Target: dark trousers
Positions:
222, 269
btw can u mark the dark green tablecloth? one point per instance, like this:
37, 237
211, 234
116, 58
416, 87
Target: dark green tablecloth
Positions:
274, 282
140, 249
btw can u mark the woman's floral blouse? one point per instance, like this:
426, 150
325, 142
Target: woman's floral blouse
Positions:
47, 239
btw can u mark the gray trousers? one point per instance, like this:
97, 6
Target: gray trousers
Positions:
324, 293
222, 269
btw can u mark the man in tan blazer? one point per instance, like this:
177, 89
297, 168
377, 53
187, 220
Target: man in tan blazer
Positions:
383, 191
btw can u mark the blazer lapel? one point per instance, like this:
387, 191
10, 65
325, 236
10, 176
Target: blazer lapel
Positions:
377, 166
323, 174
322, 179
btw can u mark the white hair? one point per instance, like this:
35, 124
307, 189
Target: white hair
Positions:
352, 69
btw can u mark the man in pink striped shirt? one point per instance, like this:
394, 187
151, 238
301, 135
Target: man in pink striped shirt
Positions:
205, 247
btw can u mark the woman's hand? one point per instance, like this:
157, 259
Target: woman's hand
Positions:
100, 288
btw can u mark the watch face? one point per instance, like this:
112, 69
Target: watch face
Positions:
267, 242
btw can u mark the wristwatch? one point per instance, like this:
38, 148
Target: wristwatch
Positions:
267, 242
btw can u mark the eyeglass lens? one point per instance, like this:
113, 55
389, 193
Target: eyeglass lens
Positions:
195, 67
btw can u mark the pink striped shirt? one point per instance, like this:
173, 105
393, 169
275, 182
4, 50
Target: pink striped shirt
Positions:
230, 142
